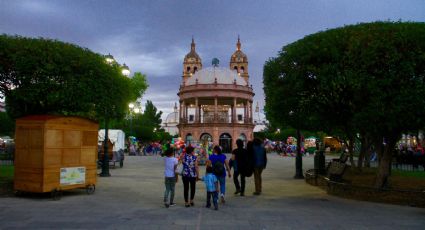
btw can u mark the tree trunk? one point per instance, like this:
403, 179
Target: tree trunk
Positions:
299, 158
362, 154
384, 170
351, 151
379, 148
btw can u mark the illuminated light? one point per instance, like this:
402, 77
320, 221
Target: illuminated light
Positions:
131, 105
125, 70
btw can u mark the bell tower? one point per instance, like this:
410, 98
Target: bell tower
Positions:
192, 62
239, 62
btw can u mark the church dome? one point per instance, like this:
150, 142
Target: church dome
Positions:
172, 118
238, 55
192, 56
220, 75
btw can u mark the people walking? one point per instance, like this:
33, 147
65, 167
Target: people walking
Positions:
211, 185
170, 165
190, 175
240, 166
260, 163
220, 165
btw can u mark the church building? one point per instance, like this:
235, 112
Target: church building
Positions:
215, 103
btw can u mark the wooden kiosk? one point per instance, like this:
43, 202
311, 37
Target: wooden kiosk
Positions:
55, 153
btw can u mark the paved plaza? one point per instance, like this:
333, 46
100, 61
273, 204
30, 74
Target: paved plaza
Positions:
132, 199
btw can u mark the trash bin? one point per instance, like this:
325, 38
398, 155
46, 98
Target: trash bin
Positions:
55, 153
319, 162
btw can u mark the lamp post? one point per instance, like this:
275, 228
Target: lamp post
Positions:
299, 157
105, 163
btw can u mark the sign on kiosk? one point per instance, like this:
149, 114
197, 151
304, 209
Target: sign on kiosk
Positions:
74, 175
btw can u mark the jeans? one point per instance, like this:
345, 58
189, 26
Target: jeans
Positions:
240, 187
257, 179
214, 196
222, 182
186, 182
170, 184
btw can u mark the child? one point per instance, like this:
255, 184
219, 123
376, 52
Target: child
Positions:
170, 177
211, 183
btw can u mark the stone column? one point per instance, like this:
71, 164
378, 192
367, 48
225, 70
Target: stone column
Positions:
245, 113
249, 112
186, 110
181, 111
215, 109
234, 120
196, 111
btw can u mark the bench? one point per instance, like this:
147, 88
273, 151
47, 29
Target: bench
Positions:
335, 171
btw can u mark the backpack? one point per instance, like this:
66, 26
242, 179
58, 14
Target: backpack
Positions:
218, 168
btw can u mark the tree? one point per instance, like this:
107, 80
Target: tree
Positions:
42, 76
7, 125
147, 124
366, 77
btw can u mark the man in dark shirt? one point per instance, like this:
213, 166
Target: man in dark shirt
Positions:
260, 162
239, 158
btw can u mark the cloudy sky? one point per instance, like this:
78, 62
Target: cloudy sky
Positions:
153, 36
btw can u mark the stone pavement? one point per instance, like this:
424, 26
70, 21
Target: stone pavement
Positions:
132, 199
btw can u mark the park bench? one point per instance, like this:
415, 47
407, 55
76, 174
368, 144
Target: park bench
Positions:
335, 171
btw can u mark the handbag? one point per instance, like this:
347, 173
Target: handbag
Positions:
179, 169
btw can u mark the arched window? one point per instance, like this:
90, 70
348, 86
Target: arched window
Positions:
242, 69
195, 69
225, 142
188, 69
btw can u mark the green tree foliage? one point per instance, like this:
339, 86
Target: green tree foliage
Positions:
139, 84
7, 125
366, 78
42, 76
146, 125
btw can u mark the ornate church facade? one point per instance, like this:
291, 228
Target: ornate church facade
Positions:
215, 103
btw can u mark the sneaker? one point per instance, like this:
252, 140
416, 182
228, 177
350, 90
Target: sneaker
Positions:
172, 204
242, 194
207, 206
192, 204
166, 205
216, 208
187, 205
256, 193
237, 191
222, 198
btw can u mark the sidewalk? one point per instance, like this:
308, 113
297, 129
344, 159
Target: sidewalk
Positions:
132, 199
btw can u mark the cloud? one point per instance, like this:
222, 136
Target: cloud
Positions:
140, 54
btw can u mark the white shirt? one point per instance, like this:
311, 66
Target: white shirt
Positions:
169, 166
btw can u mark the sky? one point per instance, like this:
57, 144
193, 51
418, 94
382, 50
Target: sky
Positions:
152, 37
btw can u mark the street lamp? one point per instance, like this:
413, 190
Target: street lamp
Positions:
125, 70
133, 109
109, 59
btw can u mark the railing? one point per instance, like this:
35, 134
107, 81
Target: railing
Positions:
394, 165
218, 120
